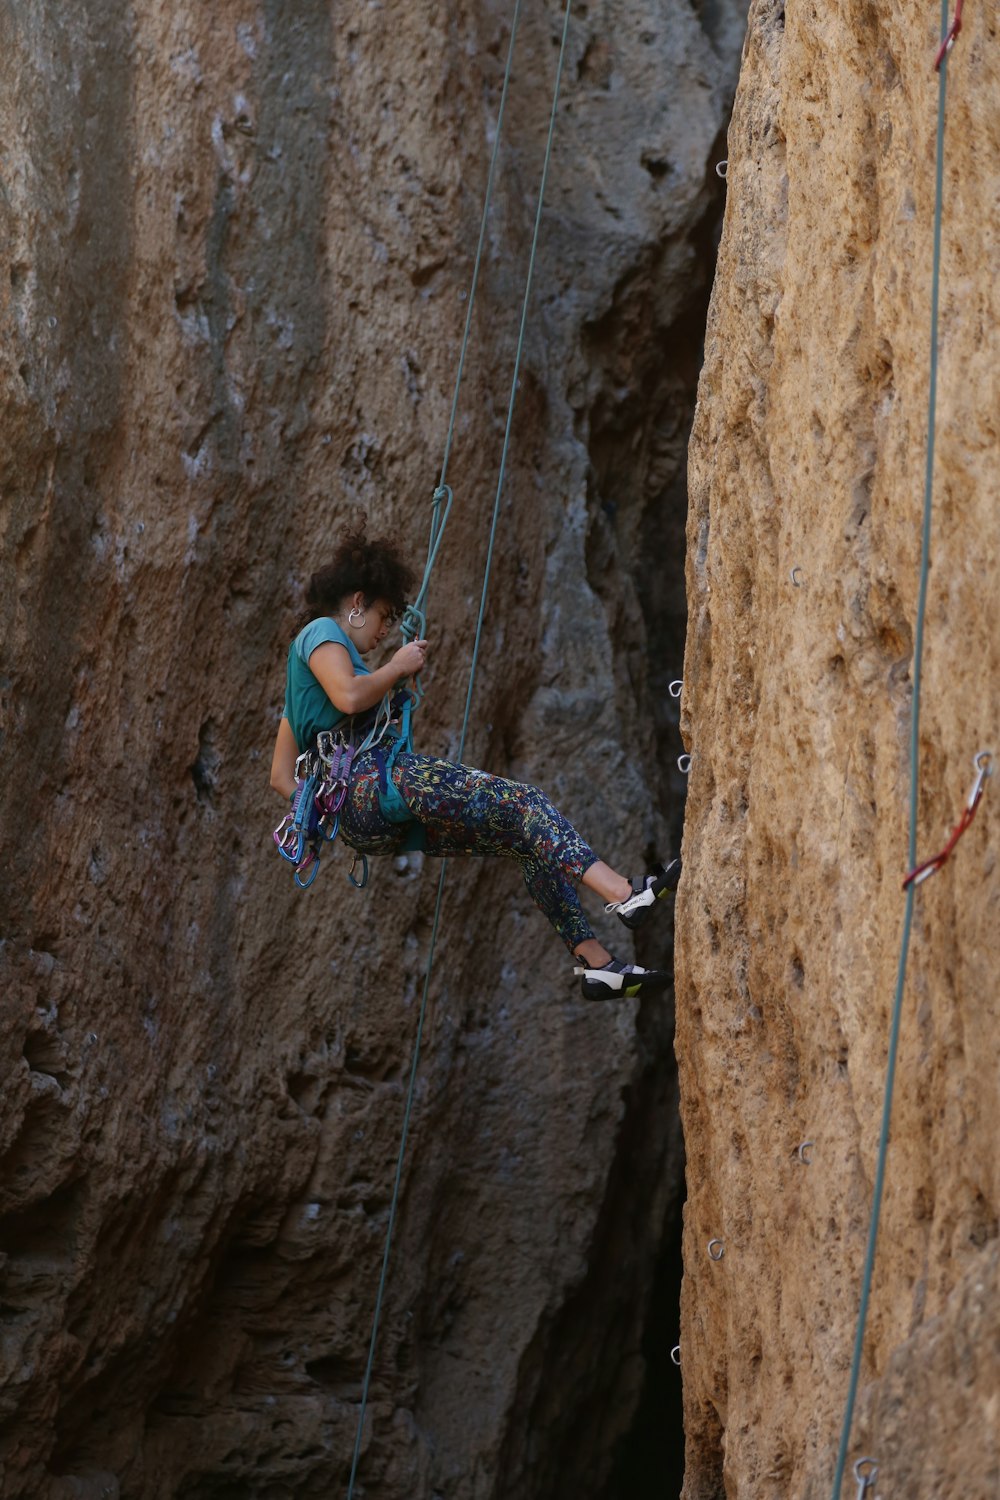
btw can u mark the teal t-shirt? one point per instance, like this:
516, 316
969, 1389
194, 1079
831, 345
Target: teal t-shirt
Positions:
307, 708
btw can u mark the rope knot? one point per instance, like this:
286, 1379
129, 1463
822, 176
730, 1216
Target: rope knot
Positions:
413, 624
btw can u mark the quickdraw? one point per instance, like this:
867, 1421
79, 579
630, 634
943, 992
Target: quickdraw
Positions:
983, 763
322, 776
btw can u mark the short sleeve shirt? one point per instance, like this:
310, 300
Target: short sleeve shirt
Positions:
307, 707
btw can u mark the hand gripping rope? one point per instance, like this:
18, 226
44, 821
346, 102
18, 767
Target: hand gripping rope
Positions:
416, 621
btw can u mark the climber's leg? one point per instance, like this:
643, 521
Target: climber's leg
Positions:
464, 811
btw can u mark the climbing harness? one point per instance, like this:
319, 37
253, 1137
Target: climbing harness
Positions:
417, 618
865, 1479
323, 780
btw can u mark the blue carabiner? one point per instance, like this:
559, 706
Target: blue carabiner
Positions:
293, 859
313, 869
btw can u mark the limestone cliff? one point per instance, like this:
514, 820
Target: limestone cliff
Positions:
235, 241
808, 454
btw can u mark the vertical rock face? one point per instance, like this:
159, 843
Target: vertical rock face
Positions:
808, 454
236, 242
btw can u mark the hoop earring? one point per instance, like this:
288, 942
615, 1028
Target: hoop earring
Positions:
359, 623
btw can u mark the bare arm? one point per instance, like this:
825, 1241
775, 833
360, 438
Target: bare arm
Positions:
352, 693
286, 753
331, 665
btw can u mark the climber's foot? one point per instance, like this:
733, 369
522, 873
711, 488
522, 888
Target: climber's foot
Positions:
616, 981
645, 893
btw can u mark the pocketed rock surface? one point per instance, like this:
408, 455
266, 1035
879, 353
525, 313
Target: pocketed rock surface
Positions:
236, 241
808, 454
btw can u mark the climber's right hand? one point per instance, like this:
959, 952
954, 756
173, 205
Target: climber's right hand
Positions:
410, 659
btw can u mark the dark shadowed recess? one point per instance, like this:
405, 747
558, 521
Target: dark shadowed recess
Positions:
639, 454
599, 1414
649, 1460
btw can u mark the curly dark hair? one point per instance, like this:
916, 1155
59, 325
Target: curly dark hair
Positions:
374, 566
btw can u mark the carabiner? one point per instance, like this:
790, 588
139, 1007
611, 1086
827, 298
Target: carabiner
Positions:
310, 863
983, 762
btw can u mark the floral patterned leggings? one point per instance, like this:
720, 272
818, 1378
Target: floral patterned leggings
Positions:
462, 811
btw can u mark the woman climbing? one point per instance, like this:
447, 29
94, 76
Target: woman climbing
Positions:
448, 809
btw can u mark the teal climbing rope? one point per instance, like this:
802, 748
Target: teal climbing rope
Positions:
414, 621
432, 552
449, 437
515, 378
413, 625
918, 652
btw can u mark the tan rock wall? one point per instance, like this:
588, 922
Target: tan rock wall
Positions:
235, 241
808, 452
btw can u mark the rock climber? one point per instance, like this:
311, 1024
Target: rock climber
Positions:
449, 809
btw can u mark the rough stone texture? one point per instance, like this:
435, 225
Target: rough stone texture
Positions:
808, 451
235, 239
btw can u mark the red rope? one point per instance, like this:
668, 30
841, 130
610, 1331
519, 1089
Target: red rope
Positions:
950, 35
984, 768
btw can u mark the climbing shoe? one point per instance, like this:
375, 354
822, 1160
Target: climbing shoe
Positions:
615, 981
645, 893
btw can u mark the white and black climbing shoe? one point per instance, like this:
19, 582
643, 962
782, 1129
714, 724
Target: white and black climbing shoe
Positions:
617, 981
634, 910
